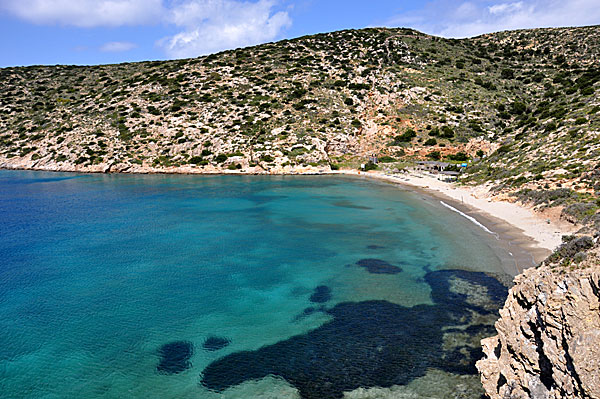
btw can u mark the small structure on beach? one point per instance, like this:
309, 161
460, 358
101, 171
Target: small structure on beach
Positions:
448, 175
432, 166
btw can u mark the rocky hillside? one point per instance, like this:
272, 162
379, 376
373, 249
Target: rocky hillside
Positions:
549, 330
522, 106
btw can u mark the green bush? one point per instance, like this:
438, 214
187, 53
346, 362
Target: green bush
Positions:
447, 132
504, 149
518, 108
370, 166
221, 158
459, 156
435, 155
507, 73
405, 137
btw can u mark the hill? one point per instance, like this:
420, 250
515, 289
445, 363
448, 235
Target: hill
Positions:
521, 106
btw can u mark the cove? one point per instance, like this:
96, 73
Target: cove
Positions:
155, 286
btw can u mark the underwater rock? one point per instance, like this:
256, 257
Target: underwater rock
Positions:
375, 247
366, 344
378, 266
322, 294
213, 343
175, 357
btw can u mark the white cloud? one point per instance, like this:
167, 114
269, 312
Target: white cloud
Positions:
85, 13
505, 7
471, 18
214, 25
117, 47
205, 26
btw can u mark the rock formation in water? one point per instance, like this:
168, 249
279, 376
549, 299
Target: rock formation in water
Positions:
175, 357
548, 342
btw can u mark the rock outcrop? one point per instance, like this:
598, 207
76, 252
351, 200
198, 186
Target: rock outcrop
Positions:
548, 342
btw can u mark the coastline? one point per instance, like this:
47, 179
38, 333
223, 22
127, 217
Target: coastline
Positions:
526, 233
529, 236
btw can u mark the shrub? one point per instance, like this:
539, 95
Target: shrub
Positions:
575, 213
221, 158
550, 197
518, 108
571, 247
370, 166
459, 156
503, 149
507, 73
405, 137
435, 155
195, 160
431, 142
447, 132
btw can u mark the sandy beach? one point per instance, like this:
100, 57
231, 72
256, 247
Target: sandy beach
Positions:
540, 232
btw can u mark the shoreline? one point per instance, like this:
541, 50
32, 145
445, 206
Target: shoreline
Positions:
528, 234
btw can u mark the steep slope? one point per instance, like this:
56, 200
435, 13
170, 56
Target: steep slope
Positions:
548, 333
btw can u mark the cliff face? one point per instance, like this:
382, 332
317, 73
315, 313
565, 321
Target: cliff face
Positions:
548, 342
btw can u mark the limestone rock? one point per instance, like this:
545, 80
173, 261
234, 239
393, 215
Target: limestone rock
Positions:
548, 342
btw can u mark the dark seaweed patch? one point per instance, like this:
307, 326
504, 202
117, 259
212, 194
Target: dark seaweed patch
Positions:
366, 344
348, 204
309, 311
378, 266
175, 357
215, 343
375, 247
322, 294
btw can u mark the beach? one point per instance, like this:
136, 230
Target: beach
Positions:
538, 233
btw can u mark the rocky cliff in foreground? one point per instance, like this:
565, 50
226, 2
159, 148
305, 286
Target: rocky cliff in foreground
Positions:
548, 342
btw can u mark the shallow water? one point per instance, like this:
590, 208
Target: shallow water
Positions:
99, 272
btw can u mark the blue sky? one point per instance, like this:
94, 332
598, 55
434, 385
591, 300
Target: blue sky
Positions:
110, 31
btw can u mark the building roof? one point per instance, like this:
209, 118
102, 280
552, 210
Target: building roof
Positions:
433, 163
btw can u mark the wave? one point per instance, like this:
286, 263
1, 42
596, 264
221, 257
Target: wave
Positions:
471, 218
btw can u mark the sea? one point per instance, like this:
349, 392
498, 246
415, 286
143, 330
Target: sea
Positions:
184, 286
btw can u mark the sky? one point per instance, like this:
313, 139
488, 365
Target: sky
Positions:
88, 32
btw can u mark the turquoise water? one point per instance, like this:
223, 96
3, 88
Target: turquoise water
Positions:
97, 272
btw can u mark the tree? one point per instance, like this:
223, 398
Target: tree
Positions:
435, 155
507, 73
